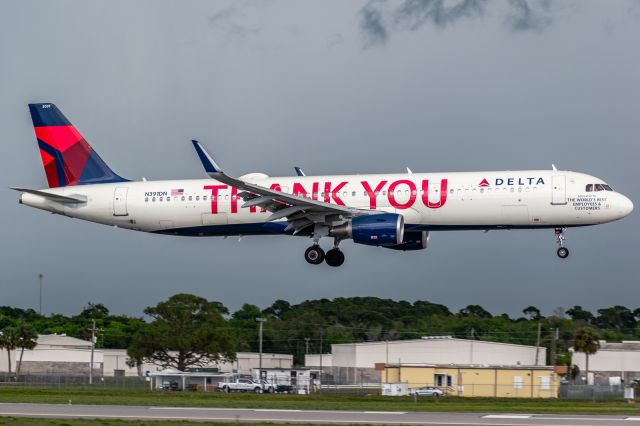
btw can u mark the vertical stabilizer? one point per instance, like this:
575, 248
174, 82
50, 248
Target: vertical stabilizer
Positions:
66, 156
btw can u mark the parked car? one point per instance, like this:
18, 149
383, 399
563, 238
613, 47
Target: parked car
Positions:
428, 391
242, 385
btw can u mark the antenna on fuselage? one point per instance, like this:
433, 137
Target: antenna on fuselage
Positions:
409, 171
553, 166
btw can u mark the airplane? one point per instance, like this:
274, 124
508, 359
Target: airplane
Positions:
393, 211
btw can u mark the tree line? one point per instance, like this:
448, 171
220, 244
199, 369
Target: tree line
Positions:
200, 329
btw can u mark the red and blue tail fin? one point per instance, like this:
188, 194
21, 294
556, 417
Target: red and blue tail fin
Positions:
66, 156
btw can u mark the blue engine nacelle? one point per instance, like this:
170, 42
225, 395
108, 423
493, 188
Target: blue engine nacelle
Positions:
413, 240
384, 229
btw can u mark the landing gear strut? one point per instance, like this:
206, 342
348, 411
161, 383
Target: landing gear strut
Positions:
314, 255
562, 252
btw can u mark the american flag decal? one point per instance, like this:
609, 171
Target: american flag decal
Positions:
177, 192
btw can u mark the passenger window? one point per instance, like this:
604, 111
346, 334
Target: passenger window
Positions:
482, 190
146, 199
451, 191
384, 192
353, 194
182, 198
226, 197
512, 190
589, 188
153, 199
204, 198
160, 199
197, 198
168, 198
414, 192
190, 198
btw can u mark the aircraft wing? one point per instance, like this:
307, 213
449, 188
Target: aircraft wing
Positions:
300, 212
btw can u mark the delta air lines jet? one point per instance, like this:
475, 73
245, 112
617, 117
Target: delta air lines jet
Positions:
393, 211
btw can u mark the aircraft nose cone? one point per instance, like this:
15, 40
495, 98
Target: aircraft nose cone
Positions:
626, 206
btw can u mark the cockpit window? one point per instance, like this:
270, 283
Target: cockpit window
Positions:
598, 187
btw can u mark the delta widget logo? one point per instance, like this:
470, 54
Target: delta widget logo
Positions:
483, 183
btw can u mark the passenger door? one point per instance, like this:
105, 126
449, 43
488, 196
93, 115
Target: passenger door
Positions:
558, 190
120, 201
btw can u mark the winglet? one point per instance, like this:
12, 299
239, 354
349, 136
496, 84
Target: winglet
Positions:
209, 164
299, 171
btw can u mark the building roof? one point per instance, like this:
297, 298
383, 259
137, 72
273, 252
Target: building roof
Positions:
62, 341
431, 339
625, 345
476, 366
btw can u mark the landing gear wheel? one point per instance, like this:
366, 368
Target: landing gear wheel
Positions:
314, 255
334, 257
563, 252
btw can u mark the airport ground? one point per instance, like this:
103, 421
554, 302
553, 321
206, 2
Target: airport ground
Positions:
84, 396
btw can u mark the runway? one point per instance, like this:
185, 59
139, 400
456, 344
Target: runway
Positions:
304, 416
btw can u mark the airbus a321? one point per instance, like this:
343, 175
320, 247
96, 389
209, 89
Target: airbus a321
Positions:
393, 211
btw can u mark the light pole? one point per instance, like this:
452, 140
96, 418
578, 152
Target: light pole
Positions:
40, 277
260, 321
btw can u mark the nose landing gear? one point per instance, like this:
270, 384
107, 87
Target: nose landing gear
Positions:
562, 252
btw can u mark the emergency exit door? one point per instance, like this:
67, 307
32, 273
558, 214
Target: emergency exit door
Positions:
120, 202
558, 190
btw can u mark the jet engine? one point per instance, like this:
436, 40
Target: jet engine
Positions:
384, 229
413, 240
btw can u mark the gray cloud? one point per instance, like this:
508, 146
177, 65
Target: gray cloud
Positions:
528, 16
372, 24
379, 20
416, 13
229, 22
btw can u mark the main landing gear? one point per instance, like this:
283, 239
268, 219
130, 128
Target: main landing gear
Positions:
562, 252
315, 255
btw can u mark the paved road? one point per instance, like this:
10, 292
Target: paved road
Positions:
305, 416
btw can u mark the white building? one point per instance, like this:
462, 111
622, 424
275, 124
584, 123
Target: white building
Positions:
56, 353
439, 350
612, 364
65, 355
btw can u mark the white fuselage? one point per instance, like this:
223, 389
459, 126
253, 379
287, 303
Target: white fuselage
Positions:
428, 201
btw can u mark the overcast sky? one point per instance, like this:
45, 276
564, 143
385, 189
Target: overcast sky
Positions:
335, 87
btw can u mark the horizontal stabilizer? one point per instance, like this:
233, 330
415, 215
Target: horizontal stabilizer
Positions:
52, 197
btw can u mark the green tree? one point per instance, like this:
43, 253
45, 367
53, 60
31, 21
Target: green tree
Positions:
586, 340
186, 331
27, 339
475, 311
532, 313
9, 340
577, 313
617, 318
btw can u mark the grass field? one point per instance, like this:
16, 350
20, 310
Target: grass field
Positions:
314, 402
